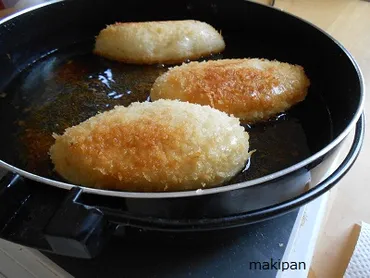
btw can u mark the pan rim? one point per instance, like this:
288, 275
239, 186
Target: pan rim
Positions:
191, 193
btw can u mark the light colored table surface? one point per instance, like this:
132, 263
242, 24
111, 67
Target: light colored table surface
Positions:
349, 22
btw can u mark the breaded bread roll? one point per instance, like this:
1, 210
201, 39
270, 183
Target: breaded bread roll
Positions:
152, 146
250, 89
158, 41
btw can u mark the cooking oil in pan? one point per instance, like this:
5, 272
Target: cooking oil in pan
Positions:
66, 88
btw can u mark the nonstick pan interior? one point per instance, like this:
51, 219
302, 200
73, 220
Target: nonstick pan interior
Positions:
70, 84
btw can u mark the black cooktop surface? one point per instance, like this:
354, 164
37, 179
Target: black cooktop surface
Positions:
236, 252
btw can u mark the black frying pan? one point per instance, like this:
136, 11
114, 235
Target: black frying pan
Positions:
49, 80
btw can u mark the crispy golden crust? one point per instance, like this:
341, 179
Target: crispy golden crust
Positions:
250, 89
155, 42
160, 146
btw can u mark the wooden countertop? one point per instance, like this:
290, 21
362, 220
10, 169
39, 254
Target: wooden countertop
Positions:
349, 22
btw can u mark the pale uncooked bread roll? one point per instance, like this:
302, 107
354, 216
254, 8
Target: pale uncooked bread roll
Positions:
250, 89
164, 145
154, 42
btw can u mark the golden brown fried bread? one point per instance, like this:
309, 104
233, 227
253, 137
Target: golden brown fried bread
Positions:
165, 145
158, 41
250, 89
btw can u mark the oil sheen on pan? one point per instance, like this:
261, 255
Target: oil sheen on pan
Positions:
72, 85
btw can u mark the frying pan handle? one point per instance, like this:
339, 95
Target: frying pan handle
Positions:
50, 219
78, 230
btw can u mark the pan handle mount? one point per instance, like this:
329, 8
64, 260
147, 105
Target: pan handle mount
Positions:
78, 230
51, 219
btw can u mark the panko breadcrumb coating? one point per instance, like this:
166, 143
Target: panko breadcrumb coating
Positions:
155, 42
165, 145
250, 89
